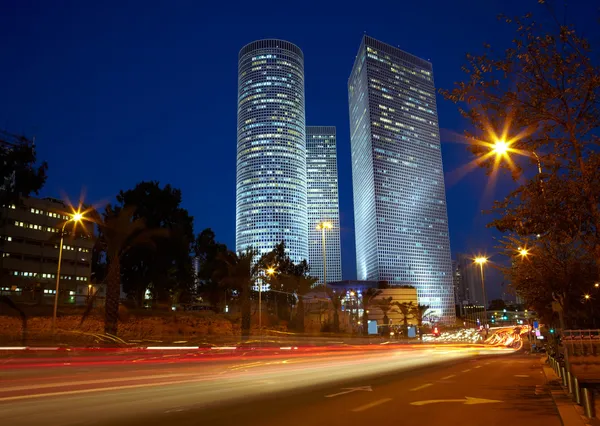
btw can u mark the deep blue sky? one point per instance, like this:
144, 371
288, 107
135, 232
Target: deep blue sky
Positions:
119, 92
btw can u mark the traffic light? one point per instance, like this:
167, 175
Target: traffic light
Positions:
552, 330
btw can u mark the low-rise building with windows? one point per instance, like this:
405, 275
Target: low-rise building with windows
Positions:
29, 246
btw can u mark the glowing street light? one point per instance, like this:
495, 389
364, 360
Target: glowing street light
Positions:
586, 296
269, 271
76, 217
500, 147
323, 226
523, 252
481, 260
597, 285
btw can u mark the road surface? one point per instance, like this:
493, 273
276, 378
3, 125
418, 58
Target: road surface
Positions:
409, 385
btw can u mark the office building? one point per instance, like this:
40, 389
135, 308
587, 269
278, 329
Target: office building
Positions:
323, 202
30, 232
457, 284
401, 222
271, 149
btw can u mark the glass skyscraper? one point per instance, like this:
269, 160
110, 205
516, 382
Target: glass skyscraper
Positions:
400, 213
271, 149
323, 202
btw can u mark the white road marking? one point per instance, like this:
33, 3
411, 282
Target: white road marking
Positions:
448, 377
350, 390
521, 375
371, 405
477, 366
467, 370
426, 385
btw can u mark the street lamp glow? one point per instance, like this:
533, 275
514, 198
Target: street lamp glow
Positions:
586, 296
76, 217
322, 226
270, 271
480, 260
500, 147
523, 252
597, 285
325, 225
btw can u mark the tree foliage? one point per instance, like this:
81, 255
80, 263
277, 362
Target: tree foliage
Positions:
118, 233
209, 252
20, 175
166, 269
239, 273
541, 97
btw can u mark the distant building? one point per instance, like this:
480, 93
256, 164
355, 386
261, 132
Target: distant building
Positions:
469, 284
457, 279
401, 222
323, 202
30, 236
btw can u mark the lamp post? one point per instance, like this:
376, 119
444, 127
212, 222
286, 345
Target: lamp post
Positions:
323, 226
270, 272
76, 217
480, 260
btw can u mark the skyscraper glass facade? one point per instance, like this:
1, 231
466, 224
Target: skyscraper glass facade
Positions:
323, 202
271, 150
400, 213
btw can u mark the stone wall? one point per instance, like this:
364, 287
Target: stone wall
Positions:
162, 327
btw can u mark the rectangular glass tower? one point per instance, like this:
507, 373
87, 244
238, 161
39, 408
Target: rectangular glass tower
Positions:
323, 202
400, 213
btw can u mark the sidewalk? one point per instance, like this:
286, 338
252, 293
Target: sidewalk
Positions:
570, 413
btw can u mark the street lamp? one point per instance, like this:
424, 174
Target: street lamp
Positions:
270, 271
75, 218
323, 226
480, 260
597, 285
523, 252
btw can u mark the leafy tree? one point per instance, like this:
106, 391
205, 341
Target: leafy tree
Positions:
166, 270
208, 252
540, 97
554, 272
367, 298
385, 304
19, 174
119, 232
298, 283
284, 279
239, 273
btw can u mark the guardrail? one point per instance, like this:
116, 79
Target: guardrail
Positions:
581, 342
582, 393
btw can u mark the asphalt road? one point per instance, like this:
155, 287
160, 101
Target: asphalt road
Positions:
385, 386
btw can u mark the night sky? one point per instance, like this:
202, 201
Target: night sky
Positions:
118, 94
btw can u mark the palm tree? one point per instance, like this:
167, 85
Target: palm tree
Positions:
405, 309
299, 285
118, 232
336, 298
419, 312
367, 297
239, 273
385, 304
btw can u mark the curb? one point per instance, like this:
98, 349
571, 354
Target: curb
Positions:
570, 413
